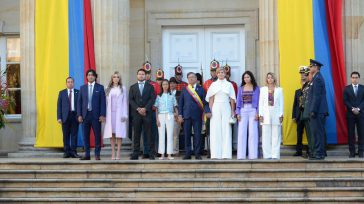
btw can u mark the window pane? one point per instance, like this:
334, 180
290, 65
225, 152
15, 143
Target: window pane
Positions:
13, 49
13, 75
15, 107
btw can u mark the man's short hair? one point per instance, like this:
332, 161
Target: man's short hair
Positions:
70, 78
355, 72
91, 71
189, 73
141, 70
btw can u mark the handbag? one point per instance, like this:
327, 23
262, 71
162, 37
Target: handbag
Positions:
232, 120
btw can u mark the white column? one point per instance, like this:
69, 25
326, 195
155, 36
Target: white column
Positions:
268, 39
27, 73
111, 34
354, 36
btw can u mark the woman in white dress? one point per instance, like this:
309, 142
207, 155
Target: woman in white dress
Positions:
271, 117
221, 98
116, 113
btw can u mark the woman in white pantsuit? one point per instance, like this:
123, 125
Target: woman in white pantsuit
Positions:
221, 98
271, 117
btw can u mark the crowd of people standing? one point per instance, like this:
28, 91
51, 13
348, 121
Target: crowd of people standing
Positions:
205, 114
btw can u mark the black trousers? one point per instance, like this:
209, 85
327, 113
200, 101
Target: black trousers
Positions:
143, 123
358, 121
300, 129
70, 130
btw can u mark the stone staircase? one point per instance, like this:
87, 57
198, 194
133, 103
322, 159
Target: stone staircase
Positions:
27, 150
335, 180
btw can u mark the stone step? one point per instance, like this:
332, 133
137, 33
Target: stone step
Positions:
184, 183
198, 200
183, 192
181, 173
74, 164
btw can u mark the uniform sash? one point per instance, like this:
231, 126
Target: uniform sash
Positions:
195, 96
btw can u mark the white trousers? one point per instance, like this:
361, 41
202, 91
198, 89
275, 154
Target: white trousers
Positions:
220, 131
166, 122
271, 140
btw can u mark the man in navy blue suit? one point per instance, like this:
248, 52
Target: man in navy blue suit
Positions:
318, 110
67, 116
91, 112
192, 105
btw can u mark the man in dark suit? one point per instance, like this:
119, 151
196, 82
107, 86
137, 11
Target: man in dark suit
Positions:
298, 109
191, 106
67, 116
318, 110
91, 111
354, 102
141, 100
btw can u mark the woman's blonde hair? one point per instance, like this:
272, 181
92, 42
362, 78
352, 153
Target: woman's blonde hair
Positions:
273, 76
109, 87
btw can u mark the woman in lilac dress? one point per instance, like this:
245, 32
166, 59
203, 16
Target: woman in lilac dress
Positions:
116, 113
247, 114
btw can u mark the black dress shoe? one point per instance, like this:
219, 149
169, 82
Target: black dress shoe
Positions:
65, 155
198, 157
134, 157
297, 154
187, 157
75, 156
311, 158
351, 155
151, 157
85, 158
145, 156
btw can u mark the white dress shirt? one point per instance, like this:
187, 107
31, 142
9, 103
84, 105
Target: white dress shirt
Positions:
73, 98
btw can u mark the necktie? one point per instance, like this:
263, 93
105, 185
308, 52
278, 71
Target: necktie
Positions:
355, 89
90, 97
141, 87
70, 100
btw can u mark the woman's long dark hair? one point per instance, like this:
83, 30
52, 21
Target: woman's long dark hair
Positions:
252, 79
169, 87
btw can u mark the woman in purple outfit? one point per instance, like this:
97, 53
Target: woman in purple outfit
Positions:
247, 114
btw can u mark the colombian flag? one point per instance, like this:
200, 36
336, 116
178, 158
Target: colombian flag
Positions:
63, 47
313, 29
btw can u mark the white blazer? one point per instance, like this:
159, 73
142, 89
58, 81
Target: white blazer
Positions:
269, 119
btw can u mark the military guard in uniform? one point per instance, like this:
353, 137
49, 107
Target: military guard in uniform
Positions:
298, 108
318, 108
